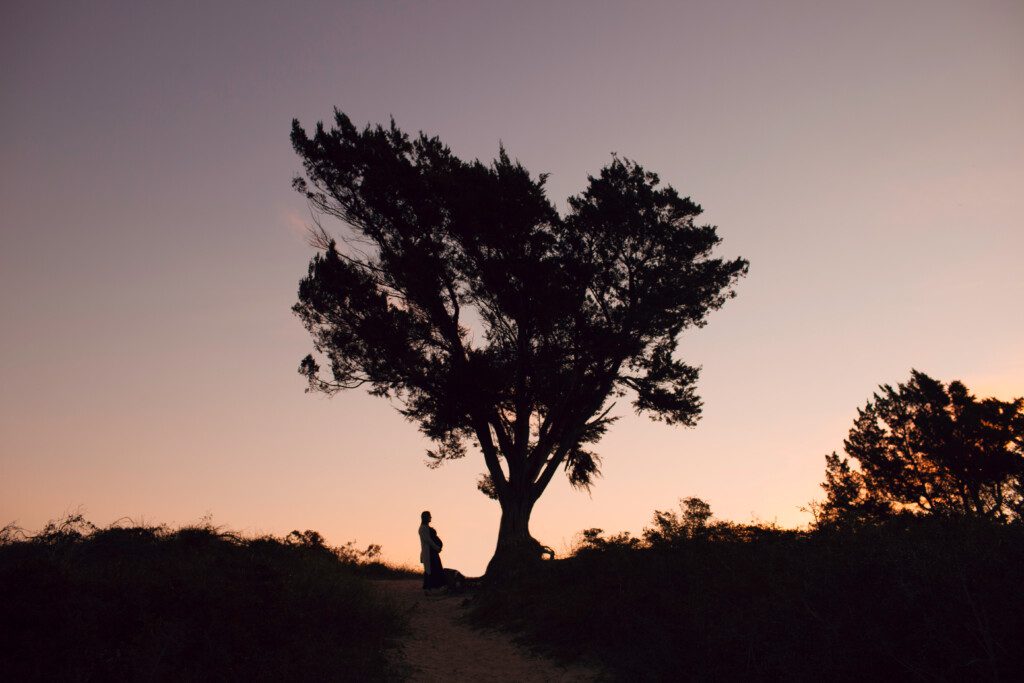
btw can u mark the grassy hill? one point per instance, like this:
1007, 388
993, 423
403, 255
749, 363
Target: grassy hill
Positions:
914, 599
136, 602
917, 599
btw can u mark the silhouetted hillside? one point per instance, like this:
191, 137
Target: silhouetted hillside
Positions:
149, 603
914, 599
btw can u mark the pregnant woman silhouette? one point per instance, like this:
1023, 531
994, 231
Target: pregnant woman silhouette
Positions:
430, 548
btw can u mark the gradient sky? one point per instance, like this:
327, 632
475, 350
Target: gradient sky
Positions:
866, 157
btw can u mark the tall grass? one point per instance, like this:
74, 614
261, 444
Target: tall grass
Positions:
196, 603
917, 599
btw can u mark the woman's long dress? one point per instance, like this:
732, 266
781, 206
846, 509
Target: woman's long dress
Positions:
435, 578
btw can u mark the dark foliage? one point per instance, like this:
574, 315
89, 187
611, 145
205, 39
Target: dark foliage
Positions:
927, 448
921, 599
461, 293
148, 603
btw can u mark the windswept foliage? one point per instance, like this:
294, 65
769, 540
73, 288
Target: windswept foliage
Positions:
492, 320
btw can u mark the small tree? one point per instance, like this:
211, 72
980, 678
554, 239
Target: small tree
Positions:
460, 292
927, 448
670, 526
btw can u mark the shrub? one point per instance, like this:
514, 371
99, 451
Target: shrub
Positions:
917, 598
137, 602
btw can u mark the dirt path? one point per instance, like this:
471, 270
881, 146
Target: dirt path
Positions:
440, 647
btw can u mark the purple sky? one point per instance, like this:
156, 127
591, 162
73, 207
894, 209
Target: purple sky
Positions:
867, 158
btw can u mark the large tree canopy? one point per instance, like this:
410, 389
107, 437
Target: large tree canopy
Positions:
927, 448
460, 292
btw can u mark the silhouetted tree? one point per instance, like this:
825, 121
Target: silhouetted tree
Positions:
460, 292
848, 500
670, 526
927, 448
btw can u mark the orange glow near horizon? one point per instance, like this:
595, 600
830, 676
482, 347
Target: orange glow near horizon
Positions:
151, 244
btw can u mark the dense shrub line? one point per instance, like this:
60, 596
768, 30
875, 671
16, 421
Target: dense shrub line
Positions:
196, 603
916, 599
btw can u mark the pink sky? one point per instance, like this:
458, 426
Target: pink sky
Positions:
867, 158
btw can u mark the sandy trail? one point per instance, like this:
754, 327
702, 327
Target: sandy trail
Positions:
440, 647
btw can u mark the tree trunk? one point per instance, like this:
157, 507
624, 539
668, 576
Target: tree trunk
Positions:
516, 549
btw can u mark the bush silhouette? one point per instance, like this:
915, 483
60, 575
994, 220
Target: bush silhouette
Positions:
134, 602
920, 598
